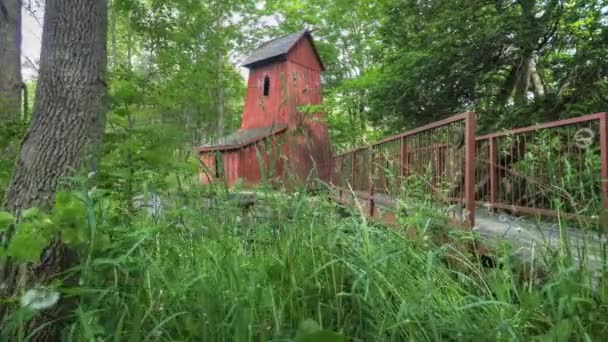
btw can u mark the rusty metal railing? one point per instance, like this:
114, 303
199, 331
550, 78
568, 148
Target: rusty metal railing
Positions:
437, 160
557, 167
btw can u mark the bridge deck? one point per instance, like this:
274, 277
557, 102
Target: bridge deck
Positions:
529, 238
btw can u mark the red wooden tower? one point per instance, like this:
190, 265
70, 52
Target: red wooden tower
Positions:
276, 139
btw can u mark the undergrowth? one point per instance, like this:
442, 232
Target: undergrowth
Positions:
219, 266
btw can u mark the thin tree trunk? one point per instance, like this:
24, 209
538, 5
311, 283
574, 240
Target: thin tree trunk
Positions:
67, 116
529, 33
113, 33
221, 113
10, 60
537, 83
522, 81
219, 93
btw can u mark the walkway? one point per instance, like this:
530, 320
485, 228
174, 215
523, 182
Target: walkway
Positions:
529, 174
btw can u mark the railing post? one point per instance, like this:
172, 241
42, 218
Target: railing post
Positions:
492, 171
441, 157
436, 150
469, 178
604, 168
371, 181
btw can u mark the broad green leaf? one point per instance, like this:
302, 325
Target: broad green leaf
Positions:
25, 246
6, 219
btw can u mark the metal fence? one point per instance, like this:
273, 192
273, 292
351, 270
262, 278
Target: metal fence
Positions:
557, 167
549, 169
437, 160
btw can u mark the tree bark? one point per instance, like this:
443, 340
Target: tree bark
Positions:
67, 120
68, 102
220, 105
10, 60
220, 85
114, 17
535, 79
522, 81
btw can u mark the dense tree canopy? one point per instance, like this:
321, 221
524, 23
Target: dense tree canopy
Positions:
391, 64
514, 62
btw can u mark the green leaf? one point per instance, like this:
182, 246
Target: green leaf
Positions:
6, 219
26, 245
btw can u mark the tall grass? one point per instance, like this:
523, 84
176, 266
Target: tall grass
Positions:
212, 270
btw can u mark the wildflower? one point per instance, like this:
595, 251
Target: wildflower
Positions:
39, 298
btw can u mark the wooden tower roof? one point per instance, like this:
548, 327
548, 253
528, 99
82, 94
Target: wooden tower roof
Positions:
277, 49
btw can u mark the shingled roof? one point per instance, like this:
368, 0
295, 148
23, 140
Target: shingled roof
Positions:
242, 138
278, 48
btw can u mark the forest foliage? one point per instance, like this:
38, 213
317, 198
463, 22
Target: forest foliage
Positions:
391, 64
164, 268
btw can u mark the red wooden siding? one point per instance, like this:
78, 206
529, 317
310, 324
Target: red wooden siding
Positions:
295, 81
304, 69
262, 159
303, 54
231, 166
260, 110
208, 159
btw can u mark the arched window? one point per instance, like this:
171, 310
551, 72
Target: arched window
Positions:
266, 85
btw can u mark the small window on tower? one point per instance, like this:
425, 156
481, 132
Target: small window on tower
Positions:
266, 85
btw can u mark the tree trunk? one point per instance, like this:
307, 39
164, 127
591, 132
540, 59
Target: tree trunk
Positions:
220, 87
221, 113
522, 81
67, 116
10, 60
113, 16
537, 82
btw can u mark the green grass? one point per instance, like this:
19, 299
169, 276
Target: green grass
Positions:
220, 273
